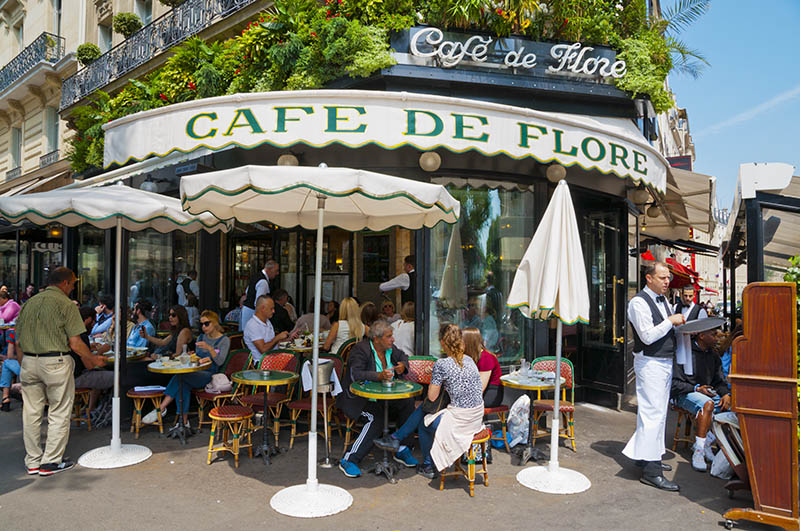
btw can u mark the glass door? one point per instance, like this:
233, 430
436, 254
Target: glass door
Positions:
602, 356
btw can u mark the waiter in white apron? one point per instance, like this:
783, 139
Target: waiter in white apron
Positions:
655, 342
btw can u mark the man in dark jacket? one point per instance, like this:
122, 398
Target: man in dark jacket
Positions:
703, 393
374, 359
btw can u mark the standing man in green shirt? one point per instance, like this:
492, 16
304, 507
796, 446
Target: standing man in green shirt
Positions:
48, 327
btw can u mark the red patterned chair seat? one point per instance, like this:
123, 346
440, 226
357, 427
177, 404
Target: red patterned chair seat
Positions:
205, 395
548, 405
256, 400
498, 409
142, 394
419, 370
481, 436
230, 412
305, 404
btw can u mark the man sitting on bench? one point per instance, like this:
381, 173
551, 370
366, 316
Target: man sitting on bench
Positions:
702, 393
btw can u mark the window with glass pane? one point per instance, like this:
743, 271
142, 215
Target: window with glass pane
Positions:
249, 256
149, 268
8, 264
91, 261
473, 264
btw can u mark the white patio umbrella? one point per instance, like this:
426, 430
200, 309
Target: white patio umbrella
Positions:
551, 282
453, 291
314, 198
120, 207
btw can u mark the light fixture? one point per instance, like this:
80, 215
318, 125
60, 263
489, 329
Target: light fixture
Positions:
149, 185
55, 232
288, 159
555, 172
430, 161
653, 211
644, 224
641, 196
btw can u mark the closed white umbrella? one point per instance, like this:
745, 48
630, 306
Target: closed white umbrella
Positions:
314, 198
453, 291
551, 282
121, 207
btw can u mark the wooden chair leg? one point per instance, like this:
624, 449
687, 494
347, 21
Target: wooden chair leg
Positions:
156, 404
250, 437
441, 480
571, 424
295, 414
236, 428
503, 429
471, 470
677, 432
136, 419
485, 470
201, 405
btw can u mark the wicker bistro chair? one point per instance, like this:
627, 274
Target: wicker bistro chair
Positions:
482, 438
686, 419
420, 369
80, 407
345, 348
233, 420
237, 340
139, 398
276, 361
566, 407
238, 360
297, 407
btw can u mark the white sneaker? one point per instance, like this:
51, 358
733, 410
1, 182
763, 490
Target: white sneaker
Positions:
699, 460
709, 453
151, 418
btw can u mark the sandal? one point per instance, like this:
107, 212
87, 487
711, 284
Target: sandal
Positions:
6, 406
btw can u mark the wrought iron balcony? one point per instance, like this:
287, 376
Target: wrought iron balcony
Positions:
174, 27
46, 48
13, 173
48, 159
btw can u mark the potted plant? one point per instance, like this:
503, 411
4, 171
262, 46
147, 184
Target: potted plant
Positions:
88, 52
126, 24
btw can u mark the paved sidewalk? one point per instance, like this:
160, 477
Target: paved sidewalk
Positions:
175, 489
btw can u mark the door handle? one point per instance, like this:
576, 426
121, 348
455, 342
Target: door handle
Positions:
615, 339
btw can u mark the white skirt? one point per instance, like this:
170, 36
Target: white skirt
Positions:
653, 382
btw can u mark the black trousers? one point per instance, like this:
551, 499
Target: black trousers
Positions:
372, 416
493, 396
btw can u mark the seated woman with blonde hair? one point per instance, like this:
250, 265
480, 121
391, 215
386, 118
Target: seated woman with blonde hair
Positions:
404, 328
348, 326
444, 436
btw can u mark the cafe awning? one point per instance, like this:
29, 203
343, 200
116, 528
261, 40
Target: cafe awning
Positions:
356, 118
688, 203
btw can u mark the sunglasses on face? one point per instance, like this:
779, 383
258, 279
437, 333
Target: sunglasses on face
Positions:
173, 315
205, 323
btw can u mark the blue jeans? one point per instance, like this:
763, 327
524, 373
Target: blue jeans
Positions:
416, 422
10, 368
694, 402
191, 381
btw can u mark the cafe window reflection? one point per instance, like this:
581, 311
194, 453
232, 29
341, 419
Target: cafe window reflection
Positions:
474, 261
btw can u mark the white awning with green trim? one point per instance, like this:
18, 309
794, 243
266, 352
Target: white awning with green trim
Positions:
356, 118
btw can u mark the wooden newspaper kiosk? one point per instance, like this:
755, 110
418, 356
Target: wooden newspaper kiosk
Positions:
764, 381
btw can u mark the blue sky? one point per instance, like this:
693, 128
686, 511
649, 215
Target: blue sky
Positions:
746, 106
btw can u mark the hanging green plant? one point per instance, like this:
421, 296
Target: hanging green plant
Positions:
126, 24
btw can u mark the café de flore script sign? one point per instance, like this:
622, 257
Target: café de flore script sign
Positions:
354, 118
433, 47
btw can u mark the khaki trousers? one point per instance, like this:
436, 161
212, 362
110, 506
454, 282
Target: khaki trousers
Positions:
46, 381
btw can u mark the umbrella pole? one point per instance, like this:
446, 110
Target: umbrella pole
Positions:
119, 345
116, 455
313, 500
312, 482
552, 466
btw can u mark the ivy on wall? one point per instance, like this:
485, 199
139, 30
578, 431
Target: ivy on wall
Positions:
303, 44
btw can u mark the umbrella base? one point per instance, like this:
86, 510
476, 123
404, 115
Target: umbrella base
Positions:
105, 457
558, 481
311, 501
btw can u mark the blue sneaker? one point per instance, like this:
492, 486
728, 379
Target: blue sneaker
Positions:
405, 458
349, 468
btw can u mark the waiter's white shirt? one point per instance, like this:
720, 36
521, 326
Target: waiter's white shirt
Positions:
701, 315
401, 281
642, 319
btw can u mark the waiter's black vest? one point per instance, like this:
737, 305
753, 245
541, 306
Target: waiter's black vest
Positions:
250, 300
408, 295
693, 313
664, 347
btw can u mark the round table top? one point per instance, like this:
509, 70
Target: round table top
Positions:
158, 367
528, 384
295, 348
265, 378
400, 389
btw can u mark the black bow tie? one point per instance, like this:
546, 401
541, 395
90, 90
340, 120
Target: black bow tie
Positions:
660, 298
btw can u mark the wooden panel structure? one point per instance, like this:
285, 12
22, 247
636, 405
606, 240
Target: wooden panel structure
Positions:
764, 383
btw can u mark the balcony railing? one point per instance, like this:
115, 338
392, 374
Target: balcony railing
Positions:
48, 159
174, 27
13, 173
47, 48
